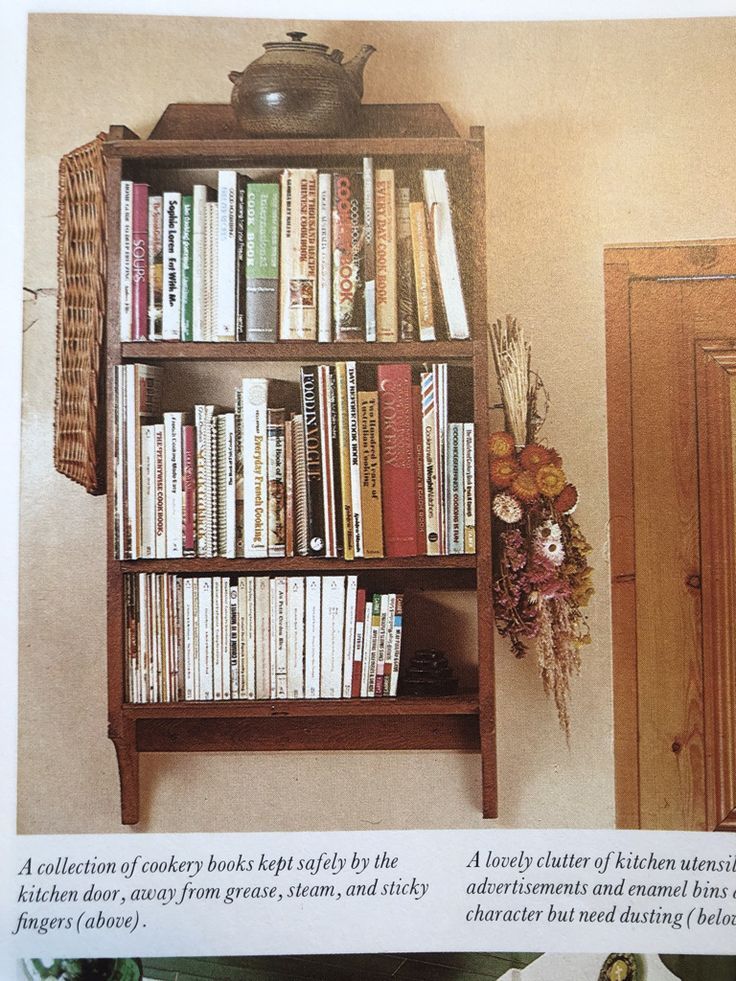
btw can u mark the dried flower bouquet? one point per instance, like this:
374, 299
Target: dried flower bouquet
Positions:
541, 575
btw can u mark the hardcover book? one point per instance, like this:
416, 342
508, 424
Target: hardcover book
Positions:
171, 317
298, 265
155, 265
398, 474
255, 467
348, 249
387, 319
262, 262
139, 262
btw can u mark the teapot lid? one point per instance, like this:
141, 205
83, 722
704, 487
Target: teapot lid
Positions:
296, 42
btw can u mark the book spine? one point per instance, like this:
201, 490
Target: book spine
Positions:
369, 248
276, 483
226, 485
396, 644
326, 424
398, 477
262, 262
209, 301
148, 493
160, 485
312, 635
422, 271
196, 672
126, 260
429, 453
387, 314
233, 593
263, 636
455, 500
217, 652
370, 475
187, 274
255, 467
348, 284
187, 616
366, 653
295, 636
372, 666
310, 395
343, 458
469, 486
155, 265
203, 427
351, 398
144, 694
301, 509
289, 488
206, 651
199, 235
189, 492
416, 408
351, 598
241, 205
279, 635
357, 665
381, 649
171, 319
174, 484
388, 653
139, 263
251, 639
440, 388
437, 196
324, 258
298, 281
407, 307
333, 625
225, 282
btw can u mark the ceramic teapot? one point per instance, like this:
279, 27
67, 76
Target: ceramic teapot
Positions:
299, 88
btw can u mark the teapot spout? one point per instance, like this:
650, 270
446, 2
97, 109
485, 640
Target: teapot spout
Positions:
354, 67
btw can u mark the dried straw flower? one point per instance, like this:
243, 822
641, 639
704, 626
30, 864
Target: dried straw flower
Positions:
501, 444
524, 486
534, 456
550, 480
507, 508
503, 471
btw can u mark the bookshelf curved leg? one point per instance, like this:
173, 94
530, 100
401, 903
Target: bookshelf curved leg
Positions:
127, 754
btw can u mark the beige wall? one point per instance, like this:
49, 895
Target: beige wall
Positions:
596, 133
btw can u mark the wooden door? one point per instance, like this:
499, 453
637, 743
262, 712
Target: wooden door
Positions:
661, 302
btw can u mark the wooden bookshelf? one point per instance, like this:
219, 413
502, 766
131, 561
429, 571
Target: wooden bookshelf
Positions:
201, 137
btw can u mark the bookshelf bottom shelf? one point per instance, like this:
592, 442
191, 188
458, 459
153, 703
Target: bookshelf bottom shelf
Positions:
451, 723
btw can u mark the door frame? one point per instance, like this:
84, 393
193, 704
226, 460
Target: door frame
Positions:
623, 266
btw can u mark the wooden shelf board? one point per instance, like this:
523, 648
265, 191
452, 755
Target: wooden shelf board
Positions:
298, 564
245, 151
464, 704
306, 351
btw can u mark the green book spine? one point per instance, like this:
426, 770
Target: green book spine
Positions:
187, 247
262, 229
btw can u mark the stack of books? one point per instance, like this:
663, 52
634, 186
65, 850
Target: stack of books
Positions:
367, 461
216, 638
349, 255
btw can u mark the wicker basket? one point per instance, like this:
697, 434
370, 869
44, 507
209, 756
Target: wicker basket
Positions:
79, 422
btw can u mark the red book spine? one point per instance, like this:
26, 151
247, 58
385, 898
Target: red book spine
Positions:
360, 601
398, 472
140, 262
416, 415
189, 464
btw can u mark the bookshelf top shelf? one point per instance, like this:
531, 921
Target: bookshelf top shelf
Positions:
304, 351
297, 564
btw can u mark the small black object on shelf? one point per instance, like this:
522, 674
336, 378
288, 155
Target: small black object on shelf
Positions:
429, 674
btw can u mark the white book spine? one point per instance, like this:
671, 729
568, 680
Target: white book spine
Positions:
126, 260
171, 318
250, 638
204, 623
148, 493
143, 638
324, 258
255, 467
275, 429
455, 499
312, 635
388, 648
210, 270
295, 636
333, 625
233, 689
226, 484
225, 305
132, 455
160, 491
440, 388
189, 638
217, 658
199, 211
369, 233
351, 593
366, 653
469, 486
381, 649
354, 444
429, 452
371, 666
155, 267
437, 197
279, 632
263, 636
119, 443
203, 421
174, 484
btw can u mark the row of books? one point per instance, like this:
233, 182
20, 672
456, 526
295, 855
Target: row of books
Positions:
220, 638
306, 255
373, 462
